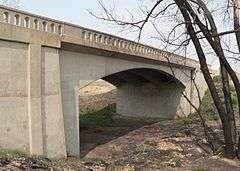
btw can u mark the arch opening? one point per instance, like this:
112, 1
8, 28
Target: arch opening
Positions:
52, 28
36, 24
6, 17
17, 20
144, 90
60, 30
27, 22
112, 106
44, 26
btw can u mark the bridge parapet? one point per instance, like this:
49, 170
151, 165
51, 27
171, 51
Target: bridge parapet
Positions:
89, 37
93, 38
29, 21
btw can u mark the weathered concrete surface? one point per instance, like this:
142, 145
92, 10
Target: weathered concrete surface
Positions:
30, 102
43, 63
149, 100
13, 96
79, 70
52, 111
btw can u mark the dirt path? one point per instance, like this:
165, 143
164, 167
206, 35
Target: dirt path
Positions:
93, 136
166, 145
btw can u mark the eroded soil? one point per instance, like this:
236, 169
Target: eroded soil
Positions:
135, 144
163, 145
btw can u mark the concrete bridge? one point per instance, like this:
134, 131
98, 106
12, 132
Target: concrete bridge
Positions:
43, 62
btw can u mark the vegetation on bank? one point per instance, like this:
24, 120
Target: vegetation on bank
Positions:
98, 118
208, 109
10, 154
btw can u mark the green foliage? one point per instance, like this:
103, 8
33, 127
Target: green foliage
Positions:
219, 151
193, 116
201, 167
98, 118
185, 120
212, 117
9, 154
208, 108
217, 79
234, 99
175, 159
207, 116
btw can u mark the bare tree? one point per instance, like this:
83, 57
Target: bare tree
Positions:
236, 15
236, 23
199, 29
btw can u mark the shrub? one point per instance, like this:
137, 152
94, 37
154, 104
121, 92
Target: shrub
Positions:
174, 159
201, 167
98, 118
9, 154
208, 108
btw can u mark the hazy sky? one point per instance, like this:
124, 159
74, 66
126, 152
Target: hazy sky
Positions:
73, 11
76, 11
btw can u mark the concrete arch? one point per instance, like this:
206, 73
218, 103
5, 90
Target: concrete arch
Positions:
80, 69
155, 76
145, 92
88, 68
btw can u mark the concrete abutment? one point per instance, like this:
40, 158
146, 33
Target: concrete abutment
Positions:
149, 101
30, 102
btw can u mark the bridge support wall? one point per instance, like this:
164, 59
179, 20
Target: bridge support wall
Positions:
54, 142
14, 123
149, 101
30, 99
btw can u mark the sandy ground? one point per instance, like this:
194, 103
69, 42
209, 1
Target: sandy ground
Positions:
96, 96
165, 145
137, 145
97, 87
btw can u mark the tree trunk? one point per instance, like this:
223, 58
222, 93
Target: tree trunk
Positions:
230, 124
229, 146
224, 74
236, 16
214, 41
228, 103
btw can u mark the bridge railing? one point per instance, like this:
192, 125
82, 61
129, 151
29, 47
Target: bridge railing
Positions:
30, 21
94, 37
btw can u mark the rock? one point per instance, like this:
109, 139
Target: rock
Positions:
199, 150
179, 134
